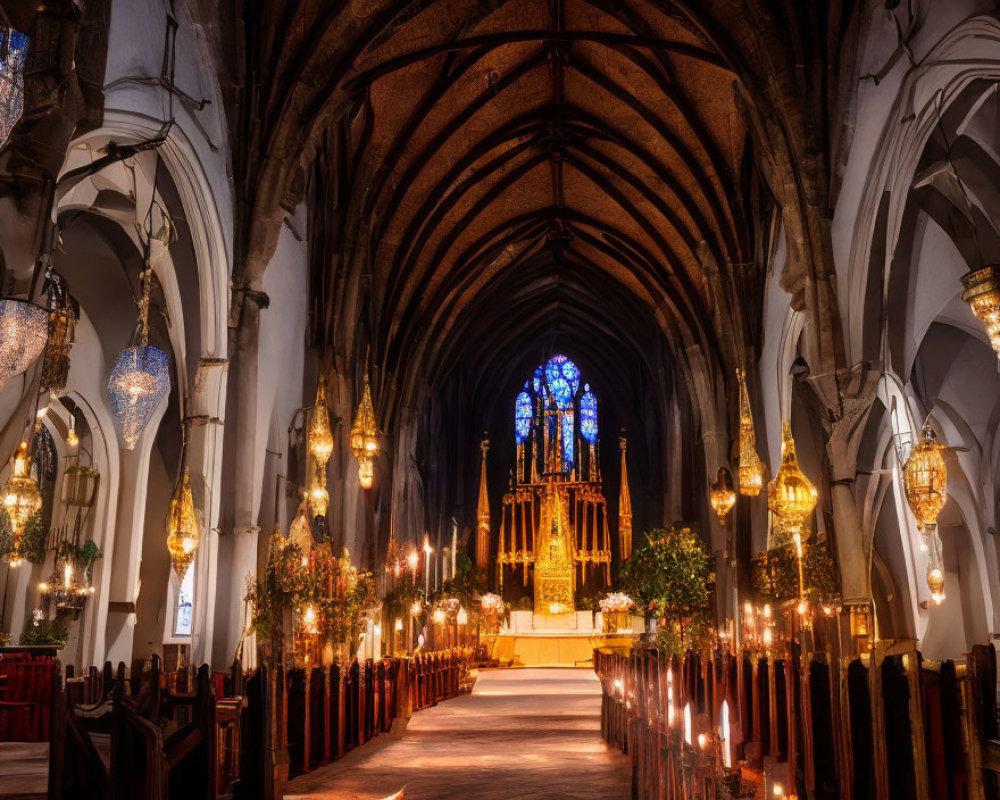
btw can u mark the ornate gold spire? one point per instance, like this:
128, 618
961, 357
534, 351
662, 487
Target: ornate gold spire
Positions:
624, 506
751, 472
483, 513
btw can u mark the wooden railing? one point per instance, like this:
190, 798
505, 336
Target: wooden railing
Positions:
888, 725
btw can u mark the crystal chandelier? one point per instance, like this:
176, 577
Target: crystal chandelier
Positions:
982, 293
24, 328
722, 497
182, 527
791, 497
925, 477
751, 471
21, 499
364, 438
68, 594
140, 377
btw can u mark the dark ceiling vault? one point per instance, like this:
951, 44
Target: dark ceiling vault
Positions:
492, 178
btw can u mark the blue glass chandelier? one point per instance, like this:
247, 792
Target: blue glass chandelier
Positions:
140, 377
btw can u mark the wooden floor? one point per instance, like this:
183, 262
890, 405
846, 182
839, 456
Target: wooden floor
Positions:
24, 770
527, 734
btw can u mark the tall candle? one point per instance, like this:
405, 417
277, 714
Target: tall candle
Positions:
454, 546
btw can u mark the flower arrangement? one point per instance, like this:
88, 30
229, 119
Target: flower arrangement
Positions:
616, 602
329, 598
491, 602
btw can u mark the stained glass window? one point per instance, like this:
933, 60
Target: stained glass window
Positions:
569, 441
13, 49
563, 379
588, 415
185, 603
522, 415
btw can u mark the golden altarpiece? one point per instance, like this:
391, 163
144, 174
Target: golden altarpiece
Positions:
554, 531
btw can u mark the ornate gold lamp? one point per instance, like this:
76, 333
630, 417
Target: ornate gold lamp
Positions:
722, 497
364, 438
982, 293
925, 477
182, 527
791, 497
320, 436
751, 471
21, 499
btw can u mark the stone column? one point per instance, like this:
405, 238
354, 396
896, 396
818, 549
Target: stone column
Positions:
846, 397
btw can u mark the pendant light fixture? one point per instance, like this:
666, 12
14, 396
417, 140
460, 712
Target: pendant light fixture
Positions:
722, 497
364, 438
24, 328
21, 499
182, 527
140, 377
791, 496
751, 471
982, 293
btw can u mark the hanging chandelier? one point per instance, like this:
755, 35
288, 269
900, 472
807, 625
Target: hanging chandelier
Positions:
791, 497
21, 499
24, 328
182, 527
722, 497
982, 293
320, 437
925, 477
55, 363
140, 377
364, 438
751, 471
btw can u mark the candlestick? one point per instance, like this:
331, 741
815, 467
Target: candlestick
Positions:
427, 565
454, 546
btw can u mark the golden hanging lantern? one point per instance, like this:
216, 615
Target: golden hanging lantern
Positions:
935, 582
21, 499
791, 497
182, 527
366, 473
926, 479
751, 471
319, 499
320, 437
722, 497
55, 362
982, 293
364, 438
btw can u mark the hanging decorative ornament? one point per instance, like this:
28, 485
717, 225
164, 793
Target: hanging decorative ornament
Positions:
319, 499
320, 436
364, 438
21, 499
935, 582
982, 293
140, 377
751, 471
722, 497
182, 527
791, 497
24, 328
925, 477
61, 327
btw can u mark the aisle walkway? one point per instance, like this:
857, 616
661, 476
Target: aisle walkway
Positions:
524, 734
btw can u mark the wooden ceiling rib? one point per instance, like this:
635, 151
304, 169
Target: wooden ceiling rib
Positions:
587, 150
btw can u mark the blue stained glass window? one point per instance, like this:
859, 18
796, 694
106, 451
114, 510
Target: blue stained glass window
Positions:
588, 415
563, 378
13, 50
569, 441
536, 381
522, 416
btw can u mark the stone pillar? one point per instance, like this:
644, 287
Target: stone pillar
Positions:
846, 398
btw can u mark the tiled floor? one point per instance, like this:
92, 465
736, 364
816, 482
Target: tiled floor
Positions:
524, 734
